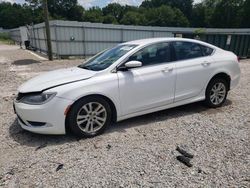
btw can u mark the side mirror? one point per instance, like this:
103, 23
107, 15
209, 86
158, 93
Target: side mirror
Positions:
133, 64
129, 65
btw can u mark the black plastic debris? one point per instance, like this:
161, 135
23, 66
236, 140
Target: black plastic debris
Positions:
59, 167
41, 146
11, 172
201, 171
108, 146
183, 152
184, 160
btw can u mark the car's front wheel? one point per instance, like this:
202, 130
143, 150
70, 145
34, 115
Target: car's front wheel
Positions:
89, 116
216, 93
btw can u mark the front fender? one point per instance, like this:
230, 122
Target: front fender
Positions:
105, 85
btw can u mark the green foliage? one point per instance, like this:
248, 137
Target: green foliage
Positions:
133, 18
171, 13
114, 9
226, 13
68, 9
199, 16
5, 38
165, 16
14, 15
60, 9
109, 19
184, 5
199, 31
94, 14
245, 15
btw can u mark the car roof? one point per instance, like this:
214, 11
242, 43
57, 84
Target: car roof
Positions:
165, 39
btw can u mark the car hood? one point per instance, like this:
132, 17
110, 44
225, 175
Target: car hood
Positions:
55, 78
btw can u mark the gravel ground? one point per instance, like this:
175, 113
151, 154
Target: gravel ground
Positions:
138, 152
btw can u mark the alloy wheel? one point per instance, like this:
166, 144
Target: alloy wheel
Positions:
91, 117
218, 93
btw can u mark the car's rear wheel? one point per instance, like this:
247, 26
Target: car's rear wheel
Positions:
216, 93
89, 116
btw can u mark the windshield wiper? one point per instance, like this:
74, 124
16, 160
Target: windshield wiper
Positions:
85, 67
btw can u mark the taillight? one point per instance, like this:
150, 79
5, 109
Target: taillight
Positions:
238, 59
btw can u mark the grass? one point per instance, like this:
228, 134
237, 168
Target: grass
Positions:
5, 39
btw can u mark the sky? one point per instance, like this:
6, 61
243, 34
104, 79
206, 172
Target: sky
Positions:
99, 3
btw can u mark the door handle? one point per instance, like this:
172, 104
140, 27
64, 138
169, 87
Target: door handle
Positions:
168, 69
206, 63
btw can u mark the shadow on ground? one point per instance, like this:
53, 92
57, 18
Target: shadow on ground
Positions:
24, 137
164, 115
25, 62
35, 140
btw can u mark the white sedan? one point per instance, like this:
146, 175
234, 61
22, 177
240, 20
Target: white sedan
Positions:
131, 79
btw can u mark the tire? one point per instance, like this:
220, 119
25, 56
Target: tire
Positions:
89, 116
216, 97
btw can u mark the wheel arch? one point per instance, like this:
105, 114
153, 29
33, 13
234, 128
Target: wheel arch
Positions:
110, 102
222, 75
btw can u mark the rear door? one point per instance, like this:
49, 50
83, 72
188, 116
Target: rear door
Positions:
193, 68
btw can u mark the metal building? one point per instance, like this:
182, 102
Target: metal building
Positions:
71, 38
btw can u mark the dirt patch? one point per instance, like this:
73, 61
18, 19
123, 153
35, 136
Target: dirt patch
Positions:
25, 62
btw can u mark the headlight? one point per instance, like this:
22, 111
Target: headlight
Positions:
37, 99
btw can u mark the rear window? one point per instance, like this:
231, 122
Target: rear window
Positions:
206, 50
187, 50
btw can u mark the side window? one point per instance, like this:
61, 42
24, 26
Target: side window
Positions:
206, 50
187, 50
153, 54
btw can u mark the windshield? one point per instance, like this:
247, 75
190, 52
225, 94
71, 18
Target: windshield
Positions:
106, 58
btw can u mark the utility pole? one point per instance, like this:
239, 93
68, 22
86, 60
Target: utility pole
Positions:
46, 17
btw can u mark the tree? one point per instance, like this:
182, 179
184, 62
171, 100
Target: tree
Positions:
75, 13
208, 13
227, 13
184, 5
166, 16
109, 19
94, 14
180, 19
34, 3
128, 8
245, 15
198, 18
204, 13
114, 9
14, 15
133, 18
61, 9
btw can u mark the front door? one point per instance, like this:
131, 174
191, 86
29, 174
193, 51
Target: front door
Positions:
151, 85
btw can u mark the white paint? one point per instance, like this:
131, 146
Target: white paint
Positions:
134, 92
24, 34
229, 38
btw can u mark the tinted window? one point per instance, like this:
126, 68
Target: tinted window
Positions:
206, 50
187, 50
153, 54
